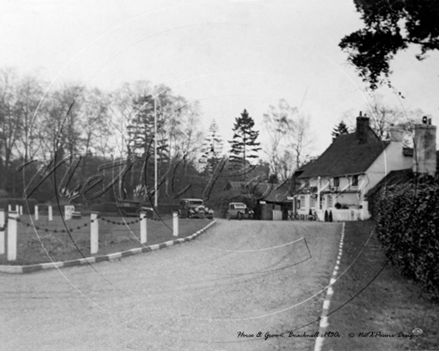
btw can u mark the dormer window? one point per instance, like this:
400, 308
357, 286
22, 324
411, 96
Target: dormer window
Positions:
355, 180
336, 182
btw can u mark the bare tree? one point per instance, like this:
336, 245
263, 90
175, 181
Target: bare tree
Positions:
279, 125
383, 116
301, 140
61, 127
9, 123
30, 92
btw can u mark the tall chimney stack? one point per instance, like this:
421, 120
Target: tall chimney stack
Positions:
362, 125
425, 155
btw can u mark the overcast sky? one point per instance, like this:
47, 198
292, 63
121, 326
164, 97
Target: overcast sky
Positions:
229, 55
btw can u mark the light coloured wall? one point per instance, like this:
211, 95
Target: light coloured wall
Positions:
391, 159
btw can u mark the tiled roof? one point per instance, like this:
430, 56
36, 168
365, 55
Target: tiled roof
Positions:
393, 178
346, 156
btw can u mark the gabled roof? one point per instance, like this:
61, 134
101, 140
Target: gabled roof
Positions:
346, 156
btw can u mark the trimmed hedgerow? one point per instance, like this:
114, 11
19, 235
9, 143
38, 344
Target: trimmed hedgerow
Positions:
407, 226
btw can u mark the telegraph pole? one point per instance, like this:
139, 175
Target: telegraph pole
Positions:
155, 155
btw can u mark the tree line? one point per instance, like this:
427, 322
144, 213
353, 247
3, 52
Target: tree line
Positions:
79, 139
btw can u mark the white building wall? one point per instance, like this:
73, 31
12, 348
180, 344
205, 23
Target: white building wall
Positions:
391, 159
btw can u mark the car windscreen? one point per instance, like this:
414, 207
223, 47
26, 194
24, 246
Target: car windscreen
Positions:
197, 203
240, 206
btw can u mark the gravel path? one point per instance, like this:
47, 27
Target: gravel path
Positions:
240, 276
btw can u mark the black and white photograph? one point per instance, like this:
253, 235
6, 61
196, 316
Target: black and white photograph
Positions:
219, 175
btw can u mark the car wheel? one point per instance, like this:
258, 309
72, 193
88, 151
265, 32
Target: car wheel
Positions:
228, 216
240, 216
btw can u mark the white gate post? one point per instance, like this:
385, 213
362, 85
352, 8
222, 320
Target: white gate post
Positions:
12, 236
94, 233
2, 231
50, 213
143, 227
21, 210
36, 212
9, 208
175, 223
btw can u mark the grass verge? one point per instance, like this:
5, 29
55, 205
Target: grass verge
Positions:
373, 297
42, 241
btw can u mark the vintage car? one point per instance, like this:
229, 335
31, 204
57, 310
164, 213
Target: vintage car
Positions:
194, 208
131, 208
239, 210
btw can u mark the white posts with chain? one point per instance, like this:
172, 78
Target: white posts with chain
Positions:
12, 236
2, 231
175, 224
143, 227
94, 233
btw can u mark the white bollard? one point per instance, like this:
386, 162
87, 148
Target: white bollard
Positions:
12, 236
175, 223
143, 228
21, 210
50, 213
2, 232
94, 233
36, 212
9, 208
17, 209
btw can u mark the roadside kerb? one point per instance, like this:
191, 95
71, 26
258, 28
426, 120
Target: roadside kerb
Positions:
110, 257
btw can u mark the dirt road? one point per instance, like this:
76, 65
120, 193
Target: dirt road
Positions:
236, 280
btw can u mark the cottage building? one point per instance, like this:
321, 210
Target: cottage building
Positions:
353, 164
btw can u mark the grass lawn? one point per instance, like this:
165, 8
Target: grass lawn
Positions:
372, 296
37, 237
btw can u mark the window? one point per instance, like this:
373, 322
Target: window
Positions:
302, 202
336, 182
355, 180
329, 201
312, 202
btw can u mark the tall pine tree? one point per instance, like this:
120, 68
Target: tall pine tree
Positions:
339, 129
243, 146
212, 148
141, 129
141, 138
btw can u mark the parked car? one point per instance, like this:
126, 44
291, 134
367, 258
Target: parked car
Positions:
239, 210
130, 208
194, 208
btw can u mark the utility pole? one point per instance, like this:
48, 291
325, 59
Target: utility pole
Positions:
155, 156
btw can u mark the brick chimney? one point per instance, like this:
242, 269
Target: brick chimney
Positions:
362, 126
425, 155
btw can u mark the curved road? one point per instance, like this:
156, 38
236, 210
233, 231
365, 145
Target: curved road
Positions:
239, 276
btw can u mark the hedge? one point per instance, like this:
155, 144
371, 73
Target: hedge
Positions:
407, 225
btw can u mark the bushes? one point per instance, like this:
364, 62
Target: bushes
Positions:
407, 225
